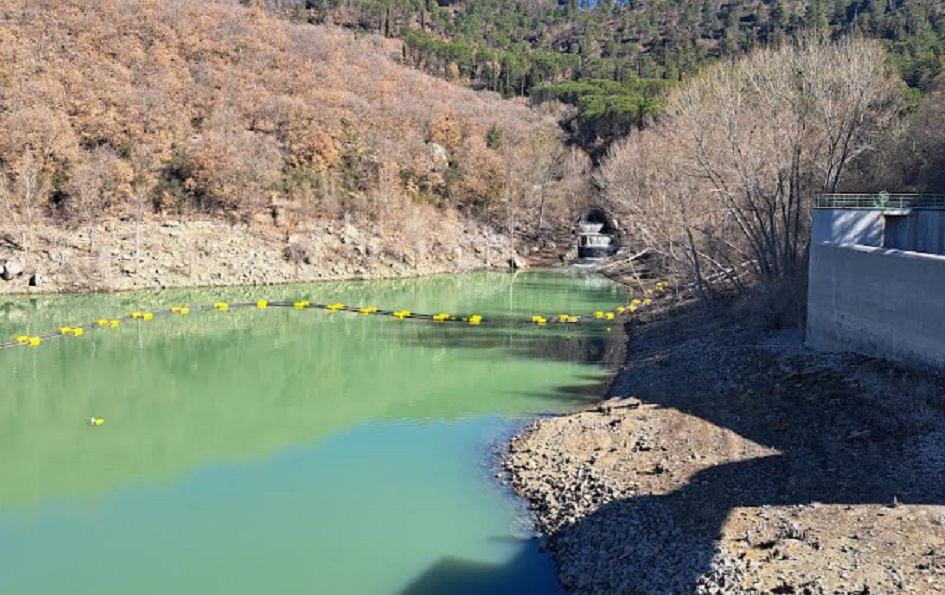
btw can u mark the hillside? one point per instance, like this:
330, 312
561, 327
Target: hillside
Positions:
622, 53
145, 110
208, 109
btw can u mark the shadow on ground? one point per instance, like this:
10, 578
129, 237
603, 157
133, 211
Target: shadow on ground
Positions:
847, 431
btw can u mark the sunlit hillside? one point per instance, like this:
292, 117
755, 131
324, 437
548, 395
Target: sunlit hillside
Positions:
129, 107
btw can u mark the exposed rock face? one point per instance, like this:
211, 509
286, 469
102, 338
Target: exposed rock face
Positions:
218, 253
439, 157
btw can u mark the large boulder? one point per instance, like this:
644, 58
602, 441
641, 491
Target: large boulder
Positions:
13, 267
438, 158
38, 278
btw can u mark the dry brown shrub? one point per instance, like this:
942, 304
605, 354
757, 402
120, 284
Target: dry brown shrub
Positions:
446, 131
235, 107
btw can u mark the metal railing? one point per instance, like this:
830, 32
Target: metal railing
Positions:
881, 200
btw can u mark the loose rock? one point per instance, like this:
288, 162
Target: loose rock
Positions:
12, 268
38, 278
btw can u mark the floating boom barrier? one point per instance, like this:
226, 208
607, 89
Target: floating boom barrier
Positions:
540, 320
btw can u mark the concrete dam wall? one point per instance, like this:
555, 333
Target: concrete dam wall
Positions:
877, 278
876, 301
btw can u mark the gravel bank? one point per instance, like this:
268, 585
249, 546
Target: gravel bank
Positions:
731, 460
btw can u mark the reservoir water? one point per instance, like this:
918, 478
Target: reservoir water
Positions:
284, 451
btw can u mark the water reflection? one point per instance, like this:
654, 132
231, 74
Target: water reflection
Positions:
180, 392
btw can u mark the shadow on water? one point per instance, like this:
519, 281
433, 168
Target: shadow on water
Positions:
526, 572
587, 343
836, 446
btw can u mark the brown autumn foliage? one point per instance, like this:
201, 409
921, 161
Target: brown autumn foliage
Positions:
235, 111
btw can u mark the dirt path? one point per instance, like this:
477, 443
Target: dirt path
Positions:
736, 461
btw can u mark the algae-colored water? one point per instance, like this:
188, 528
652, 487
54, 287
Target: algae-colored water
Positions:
285, 451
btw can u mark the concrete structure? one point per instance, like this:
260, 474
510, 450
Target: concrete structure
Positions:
846, 227
877, 280
596, 236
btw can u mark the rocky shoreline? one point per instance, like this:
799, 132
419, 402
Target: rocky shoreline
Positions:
119, 255
730, 459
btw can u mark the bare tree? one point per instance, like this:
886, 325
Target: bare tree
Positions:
143, 163
234, 166
94, 184
729, 174
23, 195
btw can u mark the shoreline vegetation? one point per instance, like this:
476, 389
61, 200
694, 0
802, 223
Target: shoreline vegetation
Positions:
728, 458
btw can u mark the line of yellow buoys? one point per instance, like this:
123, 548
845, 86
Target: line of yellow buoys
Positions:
472, 320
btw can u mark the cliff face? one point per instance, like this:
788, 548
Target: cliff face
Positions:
148, 110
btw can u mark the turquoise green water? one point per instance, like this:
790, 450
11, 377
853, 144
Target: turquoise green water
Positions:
285, 451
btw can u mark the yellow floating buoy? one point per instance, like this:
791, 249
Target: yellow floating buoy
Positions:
78, 332
65, 330
635, 302
101, 323
401, 314
441, 317
335, 307
114, 323
221, 307
368, 310
301, 305
35, 341
631, 308
137, 315
96, 421
609, 315
180, 310
475, 319
647, 302
598, 314
620, 309
648, 292
22, 339
262, 305
146, 316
